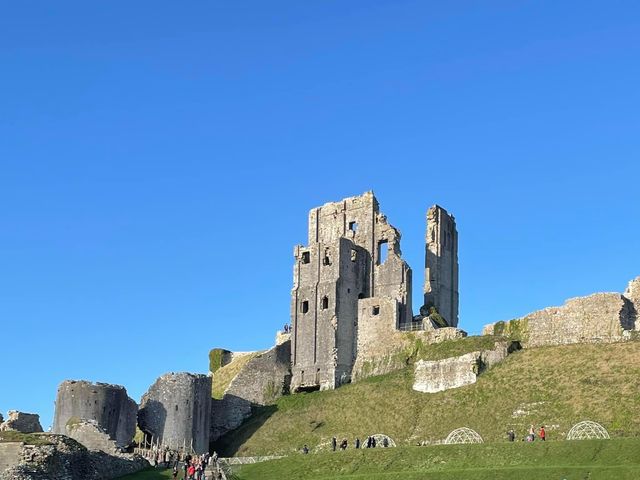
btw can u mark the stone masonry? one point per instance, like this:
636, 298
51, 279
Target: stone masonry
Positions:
380, 342
441, 265
601, 317
264, 378
176, 411
63, 458
92, 436
109, 405
353, 253
351, 274
439, 375
22, 422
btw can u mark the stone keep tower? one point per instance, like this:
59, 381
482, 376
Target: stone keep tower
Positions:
441, 264
352, 263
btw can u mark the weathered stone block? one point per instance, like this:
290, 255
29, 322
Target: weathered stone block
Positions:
440, 375
433, 376
92, 436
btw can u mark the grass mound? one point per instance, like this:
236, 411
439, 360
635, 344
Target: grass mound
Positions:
553, 386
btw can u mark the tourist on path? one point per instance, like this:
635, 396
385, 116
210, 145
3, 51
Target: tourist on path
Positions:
542, 434
334, 443
532, 433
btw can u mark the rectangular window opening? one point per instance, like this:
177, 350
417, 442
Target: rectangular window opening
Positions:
304, 306
375, 310
324, 304
383, 251
354, 255
353, 226
306, 257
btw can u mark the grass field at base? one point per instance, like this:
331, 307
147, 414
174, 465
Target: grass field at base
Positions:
617, 459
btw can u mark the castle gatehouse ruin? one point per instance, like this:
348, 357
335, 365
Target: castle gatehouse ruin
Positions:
352, 275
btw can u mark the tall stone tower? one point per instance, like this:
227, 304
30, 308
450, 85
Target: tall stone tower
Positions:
350, 272
441, 264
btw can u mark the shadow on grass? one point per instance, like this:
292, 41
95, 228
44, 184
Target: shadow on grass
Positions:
229, 444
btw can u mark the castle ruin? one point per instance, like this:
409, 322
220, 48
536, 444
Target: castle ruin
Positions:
351, 274
441, 265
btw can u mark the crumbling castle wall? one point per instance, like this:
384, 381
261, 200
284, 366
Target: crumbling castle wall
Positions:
601, 317
92, 436
262, 381
441, 265
109, 405
61, 457
353, 254
454, 372
381, 346
176, 410
22, 422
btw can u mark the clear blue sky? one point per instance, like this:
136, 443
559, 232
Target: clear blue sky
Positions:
158, 160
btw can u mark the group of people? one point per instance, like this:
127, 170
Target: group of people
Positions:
286, 328
371, 442
193, 467
531, 436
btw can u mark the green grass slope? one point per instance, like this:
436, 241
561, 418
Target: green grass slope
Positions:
617, 459
554, 386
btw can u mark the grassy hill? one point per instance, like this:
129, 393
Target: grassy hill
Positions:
554, 386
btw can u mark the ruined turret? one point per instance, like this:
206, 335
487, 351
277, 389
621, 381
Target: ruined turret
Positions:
109, 405
176, 411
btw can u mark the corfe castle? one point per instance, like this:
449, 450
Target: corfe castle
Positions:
351, 313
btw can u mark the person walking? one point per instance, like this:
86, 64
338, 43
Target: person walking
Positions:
357, 443
334, 443
532, 433
511, 435
542, 434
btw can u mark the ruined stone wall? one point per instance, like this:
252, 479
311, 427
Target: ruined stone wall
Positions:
454, 372
632, 294
22, 422
353, 253
10, 454
327, 283
92, 436
62, 458
601, 317
381, 347
262, 381
441, 264
107, 404
177, 410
